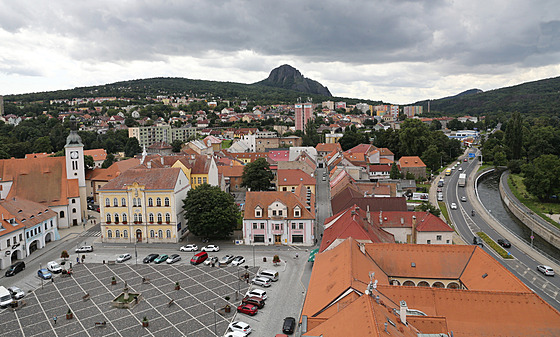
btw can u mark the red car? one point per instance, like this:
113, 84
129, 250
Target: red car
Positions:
248, 309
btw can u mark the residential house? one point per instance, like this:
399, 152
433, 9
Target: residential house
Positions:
277, 217
12, 242
414, 227
413, 165
350, 195
98, 177
144, 205
290, 179
98, 155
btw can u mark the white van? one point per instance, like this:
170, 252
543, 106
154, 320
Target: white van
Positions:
270, 274
5, 297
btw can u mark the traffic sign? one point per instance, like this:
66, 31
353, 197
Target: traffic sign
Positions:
472, 154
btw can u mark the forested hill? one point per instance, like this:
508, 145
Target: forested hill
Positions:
537, 97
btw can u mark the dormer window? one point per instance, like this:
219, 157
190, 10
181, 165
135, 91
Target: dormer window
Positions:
297, 212
258, 212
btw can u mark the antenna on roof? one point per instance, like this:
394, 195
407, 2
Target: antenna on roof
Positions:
372, 285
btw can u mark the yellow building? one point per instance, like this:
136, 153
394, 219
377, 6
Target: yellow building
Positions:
199, 169
144, 204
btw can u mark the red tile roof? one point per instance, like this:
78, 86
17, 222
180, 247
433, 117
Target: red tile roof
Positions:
425, 221
97, 154
152, 179
264, 199
291, 177
350, 196
413, 161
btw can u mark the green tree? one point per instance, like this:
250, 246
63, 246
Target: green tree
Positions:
109, 160
514, 135
89, 163
42, 144
455, 125
394, 174
432, 157
210, 212
132, 147
257, 175
500, 158
176, 145
426, 206
351, 138
542, 177
414, 137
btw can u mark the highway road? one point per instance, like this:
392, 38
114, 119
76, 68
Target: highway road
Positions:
525, 260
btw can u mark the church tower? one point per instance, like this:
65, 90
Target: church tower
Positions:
75, 169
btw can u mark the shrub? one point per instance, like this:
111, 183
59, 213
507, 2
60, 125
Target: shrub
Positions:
497, 248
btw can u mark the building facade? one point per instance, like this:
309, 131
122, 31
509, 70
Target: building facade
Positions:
277, 218
144, 205
303, 112
148, 135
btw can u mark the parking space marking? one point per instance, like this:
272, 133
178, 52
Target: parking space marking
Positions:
68, 305
95, 304
19, 323
48, 319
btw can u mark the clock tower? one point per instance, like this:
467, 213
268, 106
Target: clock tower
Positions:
75, 169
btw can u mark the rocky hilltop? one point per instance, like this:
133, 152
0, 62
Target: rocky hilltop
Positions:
288, 77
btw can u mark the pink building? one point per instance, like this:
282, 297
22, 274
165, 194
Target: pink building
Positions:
304, 112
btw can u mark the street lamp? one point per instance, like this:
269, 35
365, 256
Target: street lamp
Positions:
214, 306
135, 251
253, 241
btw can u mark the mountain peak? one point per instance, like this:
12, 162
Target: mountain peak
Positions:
288, 77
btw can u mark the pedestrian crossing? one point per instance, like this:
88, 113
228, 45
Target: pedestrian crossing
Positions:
94, 231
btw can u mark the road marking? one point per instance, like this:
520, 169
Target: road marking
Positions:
19, 323
68, 305
48, 318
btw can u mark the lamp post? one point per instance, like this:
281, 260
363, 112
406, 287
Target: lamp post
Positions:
253, 241
135, 251
214, 306
237, 293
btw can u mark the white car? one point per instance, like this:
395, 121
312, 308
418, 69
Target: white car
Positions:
189, 248
238, 260
257, 293
548, 271
210, 248
235, 334
460, 169
173, 258
84, 249
211, 259
261, 281
54, 267
16, 293
453, 205
123, 257
240, 327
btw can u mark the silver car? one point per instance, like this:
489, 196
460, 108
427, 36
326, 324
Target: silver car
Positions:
173, 258
261, 281
123, 257
16, 293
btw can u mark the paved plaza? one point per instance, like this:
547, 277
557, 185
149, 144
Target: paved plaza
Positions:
195, 311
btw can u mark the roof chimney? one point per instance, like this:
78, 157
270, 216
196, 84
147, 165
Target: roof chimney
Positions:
414, 234
381, 217
368, 215
149, 164
403, 310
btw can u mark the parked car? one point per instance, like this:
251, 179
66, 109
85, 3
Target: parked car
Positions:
150, 258
123, 257
5, 297
44, 274
224, 261
199, 258
440, 196
257, 293
270, 274
453, 205
463, 199
15, 268
237, 260
504, 243
259, 302
289, 325
249, 309
84, 249
16, 293
235, 334
240, 327
161, 258
173, 258
189, 248
478, 241
210, 260
54, 267
261, 281
211, 248
548, 271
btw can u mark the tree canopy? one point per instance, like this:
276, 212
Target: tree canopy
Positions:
257, 175
210, 212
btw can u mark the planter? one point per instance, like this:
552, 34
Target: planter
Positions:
167, 222
227, 309
69, 316
113, 282
177, 286
108, 222
124, 222
145, 324
159, 222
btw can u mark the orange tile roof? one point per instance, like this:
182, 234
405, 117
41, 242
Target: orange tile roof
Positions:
425, 221
152, 179
49, 173
27, 212
328, 147
383, 151
5, 226
113, 171
264, 199
97, 154
231, 171
291, 177
412, 161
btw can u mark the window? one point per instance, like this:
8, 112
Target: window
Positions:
151, 217
438, 237
73, 210
204, 180
278, 226
140, 217
167, 217
258, 239
109, 234
107, 202
152, 234
199, 180
116, 218
297, 212
139, 202
115, 202
133, 202
429, 241
166, 202
125, 233
258, 212
108, 218
168, 234
150, 202
124, 217
274, 213
117, 234
301, 225
123, 202
280, 213
294, 225
45, 227
73, 201
160, 234
255, 225
61, 214
21, 237
297, 238
135, 217
262, 225
158, 202
52, 224
159, 218
446, 241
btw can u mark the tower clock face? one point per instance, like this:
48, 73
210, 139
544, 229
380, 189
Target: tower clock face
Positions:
74, 154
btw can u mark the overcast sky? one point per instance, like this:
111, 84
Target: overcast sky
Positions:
396, 51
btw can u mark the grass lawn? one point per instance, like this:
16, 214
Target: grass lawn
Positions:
443, 210
484, 167
515, 183
226, 143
